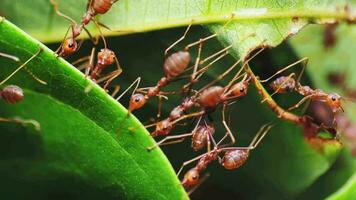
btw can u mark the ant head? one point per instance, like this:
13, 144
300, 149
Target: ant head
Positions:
239, 89
191, 178
136, 102
235, 158
334, 101
106, 57
12, 94
69, 47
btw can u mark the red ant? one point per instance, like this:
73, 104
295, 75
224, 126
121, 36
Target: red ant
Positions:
174, 65
233, 158
200, 136
105, 58
94, 7
289, 83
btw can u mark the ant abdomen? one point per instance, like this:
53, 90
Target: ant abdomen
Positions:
234, 159
102, 6
12, 94
176, 63
200, 136
283, 84
210, 97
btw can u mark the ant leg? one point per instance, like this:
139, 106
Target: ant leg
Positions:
255, 141
180, 138
35, 77
284, 69
188, 162
136, 83
100, 32
14, 58
95, 40
159, 112
197, 60
221, 76
116, 90
22, 122
90, 66
260, 135
84, 59
202, 180
301, 102
179, 40
229, 133
201, 72
56, 9
305, 63
200, 113
109, 78
210, 36
224, 50
21, 66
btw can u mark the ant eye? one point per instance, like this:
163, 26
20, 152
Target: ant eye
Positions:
70, 45
137, 99
242, 89
333, 98
195, 177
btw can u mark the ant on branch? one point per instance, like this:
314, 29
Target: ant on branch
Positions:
233, 158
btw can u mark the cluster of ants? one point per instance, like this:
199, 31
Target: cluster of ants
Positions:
206, 99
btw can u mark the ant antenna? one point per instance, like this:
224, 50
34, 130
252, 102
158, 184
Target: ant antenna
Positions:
285, 68
136, 82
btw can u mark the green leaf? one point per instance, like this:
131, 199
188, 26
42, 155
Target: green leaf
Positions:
348, 191
87, 147
255, 23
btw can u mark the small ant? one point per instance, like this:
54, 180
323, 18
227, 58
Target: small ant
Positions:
105, 58
94, 7
233, 158
200, 136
